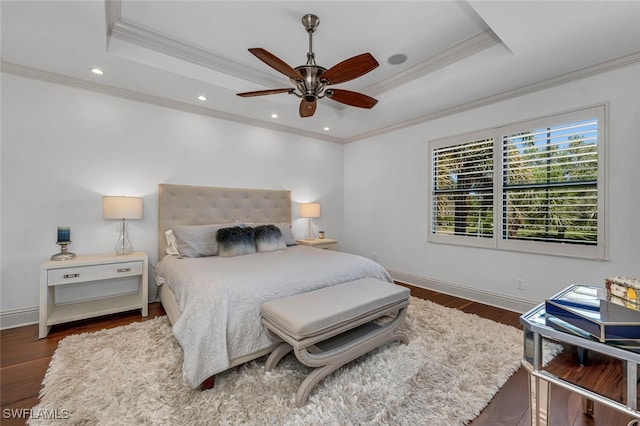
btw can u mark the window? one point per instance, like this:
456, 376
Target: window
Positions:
463, 188
536, 186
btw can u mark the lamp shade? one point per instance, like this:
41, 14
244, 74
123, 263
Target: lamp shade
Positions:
310, 210
122, 208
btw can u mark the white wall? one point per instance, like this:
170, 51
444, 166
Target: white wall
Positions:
64, 148
386, 209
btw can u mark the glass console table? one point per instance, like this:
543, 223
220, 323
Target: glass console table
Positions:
535, 328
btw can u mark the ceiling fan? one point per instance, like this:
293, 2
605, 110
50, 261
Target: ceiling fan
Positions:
310, 80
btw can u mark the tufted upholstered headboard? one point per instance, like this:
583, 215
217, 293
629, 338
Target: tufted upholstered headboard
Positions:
202, 205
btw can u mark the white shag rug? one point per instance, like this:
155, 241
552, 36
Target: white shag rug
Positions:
446, 375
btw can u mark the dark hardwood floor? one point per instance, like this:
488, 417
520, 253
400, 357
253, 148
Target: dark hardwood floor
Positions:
25, 358
510, 406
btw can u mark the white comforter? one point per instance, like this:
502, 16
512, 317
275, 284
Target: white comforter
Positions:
220, 298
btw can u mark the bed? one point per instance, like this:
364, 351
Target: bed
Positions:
214, 301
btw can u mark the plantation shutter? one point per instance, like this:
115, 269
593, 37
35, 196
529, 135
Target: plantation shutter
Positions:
550, 183
462, 189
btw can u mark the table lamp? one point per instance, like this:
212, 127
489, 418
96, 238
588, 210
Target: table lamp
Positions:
122, 208
309, 211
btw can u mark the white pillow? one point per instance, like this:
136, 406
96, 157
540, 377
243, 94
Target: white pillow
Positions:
172, 244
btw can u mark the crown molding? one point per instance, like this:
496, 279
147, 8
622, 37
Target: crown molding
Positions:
603, 67
139, 36
129, 32
51, 77
126, 31
112, 14
450, 55
582, 73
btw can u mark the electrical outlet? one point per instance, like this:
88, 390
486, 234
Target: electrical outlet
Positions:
520, 284
374, 257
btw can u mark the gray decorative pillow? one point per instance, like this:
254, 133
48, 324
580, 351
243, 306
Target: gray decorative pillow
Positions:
235, 241
197, 240
269, 238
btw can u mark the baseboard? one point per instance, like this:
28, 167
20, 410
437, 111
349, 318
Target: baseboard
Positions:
488, 298
28, 316
19, 317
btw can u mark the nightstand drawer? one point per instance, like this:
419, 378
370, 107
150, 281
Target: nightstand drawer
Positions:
93, 272
328, 246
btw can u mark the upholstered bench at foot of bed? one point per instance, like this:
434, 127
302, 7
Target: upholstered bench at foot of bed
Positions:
330, 327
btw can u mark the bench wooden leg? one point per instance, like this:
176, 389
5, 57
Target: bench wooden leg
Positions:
302, 395
278, 353
338, 344
319, 373
329, 361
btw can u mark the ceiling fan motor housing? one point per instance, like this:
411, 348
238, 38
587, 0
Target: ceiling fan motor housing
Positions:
311, 85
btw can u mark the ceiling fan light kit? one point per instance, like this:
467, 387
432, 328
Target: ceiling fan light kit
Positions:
311, 80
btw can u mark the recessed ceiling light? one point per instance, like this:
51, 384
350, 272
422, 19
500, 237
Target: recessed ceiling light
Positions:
326, 128
96, 71
202, 98
397, 59
274, 115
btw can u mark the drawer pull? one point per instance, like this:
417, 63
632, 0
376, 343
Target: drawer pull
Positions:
124, 270
71, 275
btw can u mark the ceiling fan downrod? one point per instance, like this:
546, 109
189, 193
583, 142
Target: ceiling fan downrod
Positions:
310, 87
310, 23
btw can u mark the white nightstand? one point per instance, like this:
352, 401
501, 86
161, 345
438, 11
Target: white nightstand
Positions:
324, 243
84, 269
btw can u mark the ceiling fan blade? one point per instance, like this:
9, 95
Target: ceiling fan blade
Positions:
276, 63
264, 92
348, 97
307, 109
350, 68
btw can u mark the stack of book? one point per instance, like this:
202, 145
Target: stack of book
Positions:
623, 291
586, 311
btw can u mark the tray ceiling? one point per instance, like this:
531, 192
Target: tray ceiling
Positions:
459, 54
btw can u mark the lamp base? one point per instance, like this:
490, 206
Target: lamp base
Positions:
310, 235
123, 246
